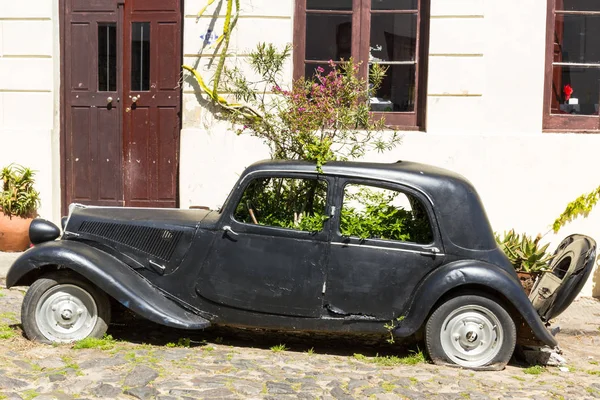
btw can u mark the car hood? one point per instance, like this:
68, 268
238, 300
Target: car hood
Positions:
157, 239
567, 273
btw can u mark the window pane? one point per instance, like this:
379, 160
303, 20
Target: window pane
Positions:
575, 90
375, 213
298, 204
578, 5
345, 5
140, 56
578, 37
107, 57
393, 37
394, 4
397, 91
328, 37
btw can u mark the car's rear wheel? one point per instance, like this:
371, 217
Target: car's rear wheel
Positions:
64, 308
471, 331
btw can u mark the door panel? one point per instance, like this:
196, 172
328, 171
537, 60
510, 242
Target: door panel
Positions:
153, 103
374, 275
155, 5
118, 151
92, 134
265, 271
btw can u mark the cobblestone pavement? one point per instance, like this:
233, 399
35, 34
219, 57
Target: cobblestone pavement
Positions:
229, 364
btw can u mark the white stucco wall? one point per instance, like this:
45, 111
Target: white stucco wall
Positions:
484, 116
29, 84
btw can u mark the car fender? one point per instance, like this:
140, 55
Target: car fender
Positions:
462, 273
108, 273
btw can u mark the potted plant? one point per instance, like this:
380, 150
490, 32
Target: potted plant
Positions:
19, 202
526, 255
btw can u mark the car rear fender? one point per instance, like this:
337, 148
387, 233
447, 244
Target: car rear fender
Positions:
464, 274
108, 273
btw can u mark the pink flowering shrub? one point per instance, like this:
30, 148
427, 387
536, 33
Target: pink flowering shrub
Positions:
321, 119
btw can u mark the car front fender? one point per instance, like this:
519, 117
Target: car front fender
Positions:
108, 273
470, 273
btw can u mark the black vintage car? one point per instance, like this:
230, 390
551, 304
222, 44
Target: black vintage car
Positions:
346, 248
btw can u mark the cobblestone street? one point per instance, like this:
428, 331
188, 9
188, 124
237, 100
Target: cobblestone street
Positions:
145, 361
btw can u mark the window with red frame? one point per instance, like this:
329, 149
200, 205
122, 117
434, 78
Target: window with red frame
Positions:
572, 92
392, 33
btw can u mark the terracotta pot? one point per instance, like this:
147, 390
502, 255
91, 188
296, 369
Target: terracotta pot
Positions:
14, 233
527, 280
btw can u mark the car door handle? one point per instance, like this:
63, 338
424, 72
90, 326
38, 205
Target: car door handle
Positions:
431, 251
228, 229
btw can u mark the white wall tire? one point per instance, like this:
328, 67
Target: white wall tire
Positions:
471, 331
64, 308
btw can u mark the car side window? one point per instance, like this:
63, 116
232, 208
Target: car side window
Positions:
292, 203
370, 212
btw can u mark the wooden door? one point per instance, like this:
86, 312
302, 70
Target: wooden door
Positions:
92, 152
121, 102
152, 101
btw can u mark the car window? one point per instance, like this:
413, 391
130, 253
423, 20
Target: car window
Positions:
284, 202
370, 212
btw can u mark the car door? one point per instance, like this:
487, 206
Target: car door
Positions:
384, 241
272, 253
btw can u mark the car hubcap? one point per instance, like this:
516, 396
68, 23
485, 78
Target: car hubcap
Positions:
471, 336
66, 313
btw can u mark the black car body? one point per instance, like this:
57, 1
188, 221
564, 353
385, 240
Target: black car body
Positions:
193, 268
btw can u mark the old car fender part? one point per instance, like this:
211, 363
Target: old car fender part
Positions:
108, 273
463, 273
570, 268
41, 231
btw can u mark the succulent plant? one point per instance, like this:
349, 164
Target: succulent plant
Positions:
17, 195
524, 252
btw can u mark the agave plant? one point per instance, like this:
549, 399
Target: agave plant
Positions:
18, 196
525, 253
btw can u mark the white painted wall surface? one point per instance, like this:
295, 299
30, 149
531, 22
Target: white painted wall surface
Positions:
484, 116
29, 84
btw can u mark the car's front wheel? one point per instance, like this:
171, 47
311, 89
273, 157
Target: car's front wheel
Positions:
471, 331
63, 308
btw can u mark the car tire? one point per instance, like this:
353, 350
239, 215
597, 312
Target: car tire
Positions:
471, 331
62, 307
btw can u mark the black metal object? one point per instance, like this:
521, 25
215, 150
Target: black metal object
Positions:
186, 268
41, 231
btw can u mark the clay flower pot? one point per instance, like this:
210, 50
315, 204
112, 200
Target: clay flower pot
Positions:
14, 233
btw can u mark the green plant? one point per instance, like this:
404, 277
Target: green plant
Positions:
181, 342
6, 332
416, 357
321, 119
581, 206
390, 326
278, 348
534, 370
18, 197
525, 253
105, 343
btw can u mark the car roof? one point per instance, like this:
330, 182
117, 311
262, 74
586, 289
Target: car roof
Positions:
422, 176
458, 208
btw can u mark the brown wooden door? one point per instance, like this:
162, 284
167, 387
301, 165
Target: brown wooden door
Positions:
92, 129
121, 101
152, 101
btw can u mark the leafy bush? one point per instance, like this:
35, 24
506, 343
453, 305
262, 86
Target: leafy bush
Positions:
581, 206
18, 197
379, 218
322, 119
284, 202
525, 253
